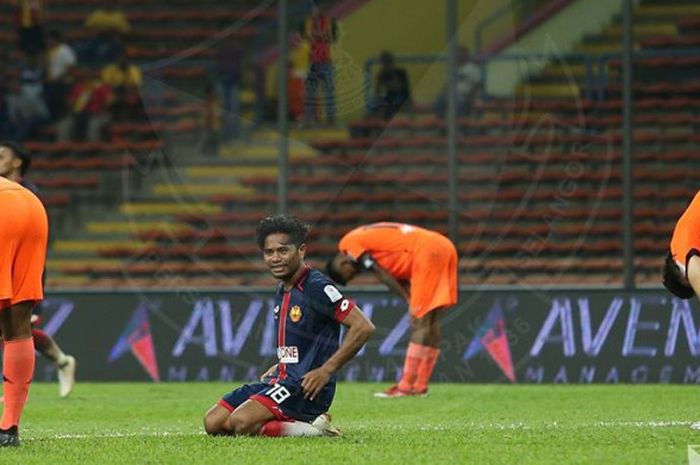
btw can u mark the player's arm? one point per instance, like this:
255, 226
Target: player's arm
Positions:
392, 283
693, 273
359, 330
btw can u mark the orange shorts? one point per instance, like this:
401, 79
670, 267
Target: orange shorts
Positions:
24, 233
433, 276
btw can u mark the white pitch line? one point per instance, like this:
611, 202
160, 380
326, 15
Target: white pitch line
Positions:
38, 435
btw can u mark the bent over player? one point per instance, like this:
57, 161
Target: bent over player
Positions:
294, 395
417, 264
681, 274
14, 164
23, 237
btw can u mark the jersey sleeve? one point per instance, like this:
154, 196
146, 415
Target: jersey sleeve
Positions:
328, 300
351, 245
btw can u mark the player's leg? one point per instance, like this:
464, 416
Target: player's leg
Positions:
240, 413
295, 415
252, 418
310, 87
437, 290
47, 346
431, 352
415, 352
22, 256
18, 367
215, 420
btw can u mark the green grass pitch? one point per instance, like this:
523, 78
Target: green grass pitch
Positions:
457, 424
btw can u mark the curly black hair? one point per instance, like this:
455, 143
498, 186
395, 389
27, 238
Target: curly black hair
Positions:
333, 273
294, 227
672, 279
20, 153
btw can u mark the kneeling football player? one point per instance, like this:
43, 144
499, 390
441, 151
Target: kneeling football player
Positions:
294, 395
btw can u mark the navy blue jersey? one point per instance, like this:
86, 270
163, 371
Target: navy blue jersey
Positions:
308, 324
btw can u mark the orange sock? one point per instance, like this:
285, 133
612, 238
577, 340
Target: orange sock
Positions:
18, 369
425, 369
414, 355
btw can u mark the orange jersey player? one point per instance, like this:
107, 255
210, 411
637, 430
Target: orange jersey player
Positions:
14, 165
417, 264
682, 269
23, 239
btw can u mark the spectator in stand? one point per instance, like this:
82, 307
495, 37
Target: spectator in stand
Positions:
24, 113
392, 89
468, 85
212, 122
125, 78
29, 18
230, 67
90, 102
26, 107
108, 28
60, 58
108, 19
31, 77
320, 32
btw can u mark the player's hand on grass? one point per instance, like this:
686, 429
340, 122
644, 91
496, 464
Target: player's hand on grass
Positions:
314, 381
269, 373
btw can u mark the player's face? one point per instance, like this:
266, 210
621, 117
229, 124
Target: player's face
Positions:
345, 266
282, 257
9, 163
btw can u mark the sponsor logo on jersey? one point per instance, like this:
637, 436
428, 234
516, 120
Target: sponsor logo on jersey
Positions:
288, 354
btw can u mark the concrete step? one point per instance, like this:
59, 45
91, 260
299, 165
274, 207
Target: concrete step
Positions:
229, 171
133, 226
59, 264
199, 190
92, 246
168, 208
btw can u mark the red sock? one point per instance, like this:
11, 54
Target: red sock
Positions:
425, 369
272, 429
18, 369
41, 340
414, 355
276, 428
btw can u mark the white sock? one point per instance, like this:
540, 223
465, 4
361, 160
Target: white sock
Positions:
288, 428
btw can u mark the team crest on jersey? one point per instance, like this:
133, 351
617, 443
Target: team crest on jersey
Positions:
295, 314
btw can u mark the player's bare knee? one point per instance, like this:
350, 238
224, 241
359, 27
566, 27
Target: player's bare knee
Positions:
215, 420
213, 425
240, 426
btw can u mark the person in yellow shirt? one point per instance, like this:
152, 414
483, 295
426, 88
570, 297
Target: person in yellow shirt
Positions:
108, 19
125, 79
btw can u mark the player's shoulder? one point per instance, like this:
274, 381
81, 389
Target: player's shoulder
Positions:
30, 186
317, 283
316, 279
